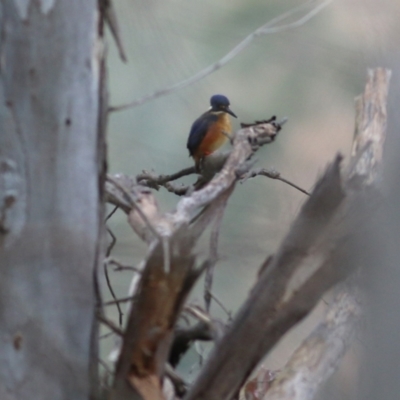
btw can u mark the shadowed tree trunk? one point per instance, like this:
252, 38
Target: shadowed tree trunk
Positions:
51, 157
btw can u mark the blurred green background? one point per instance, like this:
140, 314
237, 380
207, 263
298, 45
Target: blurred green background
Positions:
310, 74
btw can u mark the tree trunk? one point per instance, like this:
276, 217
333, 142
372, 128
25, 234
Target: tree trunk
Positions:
51, 159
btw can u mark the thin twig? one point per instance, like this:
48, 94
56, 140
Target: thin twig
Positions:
213, 257
110, 288
154, 181
161, 179
198, 313
118, 301
111, 213
120, 266
113, 237
110, 325
268, 28
112, 243
273, 174
219, 302
106, 335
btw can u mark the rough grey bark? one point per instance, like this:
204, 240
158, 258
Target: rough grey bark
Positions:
50, 208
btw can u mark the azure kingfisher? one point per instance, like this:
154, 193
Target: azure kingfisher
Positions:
211, 130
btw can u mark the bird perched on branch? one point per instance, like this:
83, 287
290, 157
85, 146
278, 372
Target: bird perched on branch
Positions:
211, 130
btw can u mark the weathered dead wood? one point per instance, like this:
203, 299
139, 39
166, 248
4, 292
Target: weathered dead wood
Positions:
317, 240
275, 303
320, 354
272, 174
315, 245
370, 128
168, 275
148, 336
219, 179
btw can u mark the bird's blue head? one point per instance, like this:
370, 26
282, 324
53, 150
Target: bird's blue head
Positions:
220, 102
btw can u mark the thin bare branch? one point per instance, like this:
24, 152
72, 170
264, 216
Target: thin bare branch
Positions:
110, 288
113, 211
213, 256
118, 301
121, 267
268, 28
273, 174
110, 325
152, 178
113, 240
221, 304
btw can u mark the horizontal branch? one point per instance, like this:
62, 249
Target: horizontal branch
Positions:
272, 174
155, 179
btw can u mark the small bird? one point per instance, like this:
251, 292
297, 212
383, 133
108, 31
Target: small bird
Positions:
211, 130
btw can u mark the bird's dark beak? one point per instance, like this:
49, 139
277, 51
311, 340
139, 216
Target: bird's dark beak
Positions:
229, 111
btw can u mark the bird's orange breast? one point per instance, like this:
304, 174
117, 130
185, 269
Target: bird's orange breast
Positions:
214, 137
